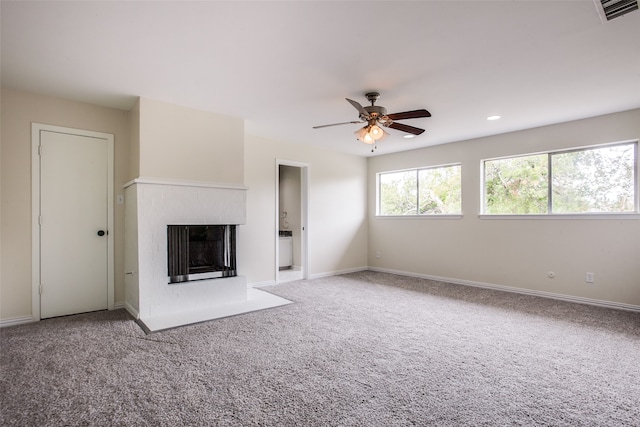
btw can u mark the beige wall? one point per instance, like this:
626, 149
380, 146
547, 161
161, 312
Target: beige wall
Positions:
513, 252
19, 110
168, 141
182, 143
134, 139
337, 209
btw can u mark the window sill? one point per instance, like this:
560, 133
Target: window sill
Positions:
609, 216
448, 216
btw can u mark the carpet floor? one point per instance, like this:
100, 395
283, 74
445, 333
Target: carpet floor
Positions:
361, 349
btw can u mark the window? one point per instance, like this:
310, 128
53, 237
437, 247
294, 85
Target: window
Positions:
518, 185
598, 179
426, 191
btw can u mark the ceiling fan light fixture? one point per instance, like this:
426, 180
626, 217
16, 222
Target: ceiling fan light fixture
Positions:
364, 136
368, 139
376, 132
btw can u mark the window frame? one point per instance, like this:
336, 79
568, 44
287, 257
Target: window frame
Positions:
635, 214
417, 170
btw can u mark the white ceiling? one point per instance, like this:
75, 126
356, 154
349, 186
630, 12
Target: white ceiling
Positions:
287, 66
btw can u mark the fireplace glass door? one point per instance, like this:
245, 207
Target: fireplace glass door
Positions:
197, 252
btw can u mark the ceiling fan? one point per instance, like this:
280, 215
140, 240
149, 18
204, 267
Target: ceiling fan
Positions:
376, 116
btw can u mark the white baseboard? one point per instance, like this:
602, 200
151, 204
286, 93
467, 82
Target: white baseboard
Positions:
543, 294
132, 311
338, 272
29, 319
16, 321
311, 276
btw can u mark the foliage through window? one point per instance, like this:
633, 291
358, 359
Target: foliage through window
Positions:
427, 191
592, 180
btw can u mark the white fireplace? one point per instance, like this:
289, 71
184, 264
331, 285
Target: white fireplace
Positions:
151, 206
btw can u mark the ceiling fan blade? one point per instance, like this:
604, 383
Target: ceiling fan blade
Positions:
335, 124
406, 128
358, 107
415, 114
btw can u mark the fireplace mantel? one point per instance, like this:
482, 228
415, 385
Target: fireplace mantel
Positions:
183, 183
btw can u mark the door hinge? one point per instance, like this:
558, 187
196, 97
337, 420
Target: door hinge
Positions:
39, 219
41, 290
40, 150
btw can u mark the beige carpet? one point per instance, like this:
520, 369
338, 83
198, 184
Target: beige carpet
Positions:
363, 349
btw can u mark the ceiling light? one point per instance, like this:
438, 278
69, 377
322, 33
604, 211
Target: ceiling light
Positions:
493, 117
375, 132
370, 134
364, 136
409, 136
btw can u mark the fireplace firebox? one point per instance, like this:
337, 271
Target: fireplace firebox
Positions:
197, 252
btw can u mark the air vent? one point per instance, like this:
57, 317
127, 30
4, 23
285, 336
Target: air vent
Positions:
612, 9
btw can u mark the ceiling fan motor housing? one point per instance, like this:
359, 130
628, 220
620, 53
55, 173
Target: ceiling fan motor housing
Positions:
374, 111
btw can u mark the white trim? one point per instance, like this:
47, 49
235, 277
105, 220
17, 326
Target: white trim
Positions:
35, 219
16, 321
111, 228
419, 168
22, 320
184, 183
132, 311
36, 128
339, 272
598, 216
600, 10
543, 294
424, 216
312, 276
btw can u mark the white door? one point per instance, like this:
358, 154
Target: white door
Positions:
73, 224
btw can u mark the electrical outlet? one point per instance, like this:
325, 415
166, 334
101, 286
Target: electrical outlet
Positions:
590, 278
377, 254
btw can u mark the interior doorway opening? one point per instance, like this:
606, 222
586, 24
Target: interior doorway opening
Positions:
291, 239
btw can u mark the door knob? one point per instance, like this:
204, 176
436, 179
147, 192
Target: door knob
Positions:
101, 233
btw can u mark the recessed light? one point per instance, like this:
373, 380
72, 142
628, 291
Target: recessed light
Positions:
409, 136
493, 117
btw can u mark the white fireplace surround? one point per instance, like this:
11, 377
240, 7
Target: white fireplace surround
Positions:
151, 205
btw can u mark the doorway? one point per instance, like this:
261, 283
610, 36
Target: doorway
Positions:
291, 234
72, 216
